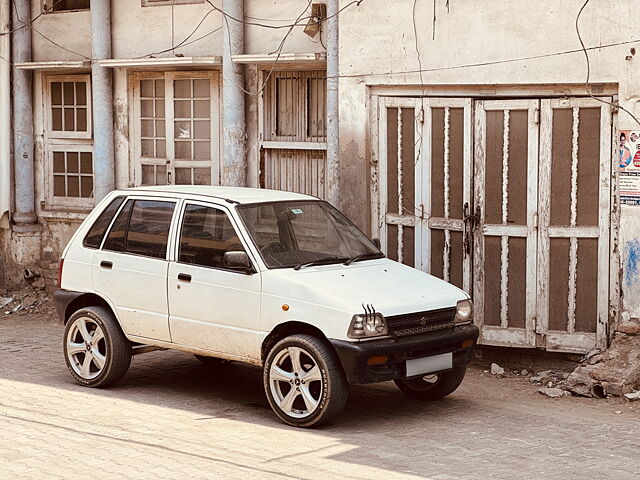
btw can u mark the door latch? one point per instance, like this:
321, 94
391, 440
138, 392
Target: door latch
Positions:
470, 223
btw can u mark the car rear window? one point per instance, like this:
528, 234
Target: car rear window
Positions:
93, 239
141, 228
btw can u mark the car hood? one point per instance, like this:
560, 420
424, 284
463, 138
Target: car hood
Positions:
390, 287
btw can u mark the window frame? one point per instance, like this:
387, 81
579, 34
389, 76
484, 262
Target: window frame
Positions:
171, 239
160, 3
170, 162
236, 227
48, 131
47, 11
106, 230
52, 199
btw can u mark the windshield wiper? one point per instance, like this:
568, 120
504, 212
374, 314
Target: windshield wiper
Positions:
364, 256
320, 261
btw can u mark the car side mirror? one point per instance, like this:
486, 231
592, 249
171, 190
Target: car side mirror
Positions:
376, 242
237, 260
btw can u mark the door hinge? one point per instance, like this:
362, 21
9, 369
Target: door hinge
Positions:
535, 220
421, 115
536, 115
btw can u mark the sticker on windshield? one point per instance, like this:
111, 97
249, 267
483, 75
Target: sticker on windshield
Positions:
297, 211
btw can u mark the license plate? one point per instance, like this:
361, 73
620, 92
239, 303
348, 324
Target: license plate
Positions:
435, 363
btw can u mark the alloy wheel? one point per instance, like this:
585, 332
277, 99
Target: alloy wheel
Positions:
295, 381
86, 348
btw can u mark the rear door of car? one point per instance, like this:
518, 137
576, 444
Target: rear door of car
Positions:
131, 266
212, 307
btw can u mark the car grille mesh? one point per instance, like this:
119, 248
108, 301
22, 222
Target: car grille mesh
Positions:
421, 322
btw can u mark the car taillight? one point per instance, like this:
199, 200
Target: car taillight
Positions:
60, 272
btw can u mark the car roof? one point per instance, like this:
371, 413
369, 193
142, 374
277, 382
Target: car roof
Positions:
234, 194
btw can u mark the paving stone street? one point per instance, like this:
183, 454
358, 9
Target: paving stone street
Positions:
172, 417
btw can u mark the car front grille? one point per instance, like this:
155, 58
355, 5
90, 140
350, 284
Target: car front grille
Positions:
421, 322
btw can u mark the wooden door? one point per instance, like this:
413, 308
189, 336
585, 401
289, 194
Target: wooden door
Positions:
506, 196
573, 248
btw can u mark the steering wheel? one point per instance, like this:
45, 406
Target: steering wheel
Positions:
273, 247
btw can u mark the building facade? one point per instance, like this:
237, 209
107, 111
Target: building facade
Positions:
468, 140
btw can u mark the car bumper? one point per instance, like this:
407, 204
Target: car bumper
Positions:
354, 355
62, 299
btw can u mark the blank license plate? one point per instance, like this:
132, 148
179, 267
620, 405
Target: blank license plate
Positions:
436, 363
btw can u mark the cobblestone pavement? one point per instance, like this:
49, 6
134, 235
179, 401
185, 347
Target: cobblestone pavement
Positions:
172, 417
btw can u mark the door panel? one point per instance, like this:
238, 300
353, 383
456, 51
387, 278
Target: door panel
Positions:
506, 163
210, 307
573, 287
425, 185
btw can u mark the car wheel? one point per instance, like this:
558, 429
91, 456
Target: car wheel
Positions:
95, 349
304, 381
432, 386
212, 362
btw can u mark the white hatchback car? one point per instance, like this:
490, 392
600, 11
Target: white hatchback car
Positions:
271, 278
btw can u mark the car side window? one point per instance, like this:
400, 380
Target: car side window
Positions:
148, 230
93, 239
141, 228
118, 233
205, 236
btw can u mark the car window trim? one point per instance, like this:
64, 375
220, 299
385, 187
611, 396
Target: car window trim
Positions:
234, 224
176, 201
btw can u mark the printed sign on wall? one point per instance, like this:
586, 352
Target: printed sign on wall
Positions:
629, 167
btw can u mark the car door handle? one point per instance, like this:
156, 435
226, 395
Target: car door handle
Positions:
106, 264
185, 277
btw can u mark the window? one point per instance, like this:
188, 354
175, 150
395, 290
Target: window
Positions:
68, 143
207, 233
69, 106
177, 121
49, 6
294, 132
93, 239
141, 228
151, 3
149, 228
72, 173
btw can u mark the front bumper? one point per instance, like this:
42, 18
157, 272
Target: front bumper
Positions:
354, 355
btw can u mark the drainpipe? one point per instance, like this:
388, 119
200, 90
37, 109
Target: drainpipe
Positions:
234, 163
102, 100
5, 107
24, 214
333, 128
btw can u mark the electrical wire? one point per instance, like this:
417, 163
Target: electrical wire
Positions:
25, 25
586, 57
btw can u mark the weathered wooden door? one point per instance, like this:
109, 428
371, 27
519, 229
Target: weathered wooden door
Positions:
506, 198
574, 206
424, 179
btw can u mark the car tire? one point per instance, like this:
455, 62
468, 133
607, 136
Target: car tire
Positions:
95, 349
304, 381
212, 362
428, 388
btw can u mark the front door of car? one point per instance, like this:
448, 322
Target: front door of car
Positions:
131, 267
211, 306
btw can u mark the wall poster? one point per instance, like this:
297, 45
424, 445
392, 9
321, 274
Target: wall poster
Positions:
629, 143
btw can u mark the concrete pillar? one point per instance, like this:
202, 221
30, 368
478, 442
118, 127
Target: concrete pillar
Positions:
333, 128
5, 107
22, 117
102, 100
234, 164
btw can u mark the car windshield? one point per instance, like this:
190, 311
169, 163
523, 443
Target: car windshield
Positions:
297, 234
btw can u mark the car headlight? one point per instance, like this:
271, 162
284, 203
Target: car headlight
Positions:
464, 312
367, 325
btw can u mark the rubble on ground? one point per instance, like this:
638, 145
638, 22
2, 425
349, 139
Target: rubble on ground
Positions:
550, 378
553, 392
633, 396
496, 369
616, 371
27, 301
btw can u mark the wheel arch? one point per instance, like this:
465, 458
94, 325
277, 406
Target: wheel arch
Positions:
293, 328
86, 300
